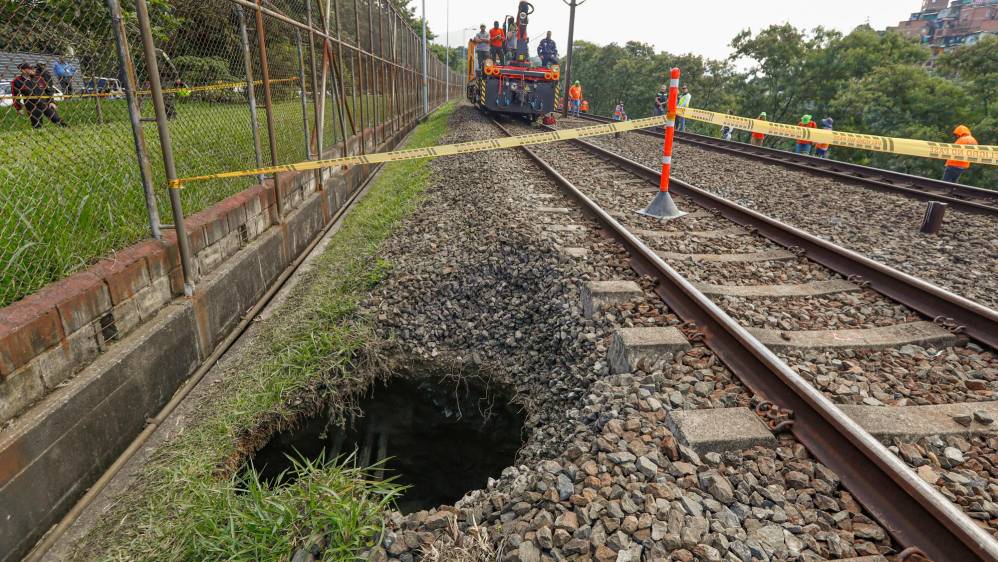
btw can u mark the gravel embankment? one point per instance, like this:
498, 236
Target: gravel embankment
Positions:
963, 257
478, 283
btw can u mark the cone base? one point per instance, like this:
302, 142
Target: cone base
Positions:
662, 207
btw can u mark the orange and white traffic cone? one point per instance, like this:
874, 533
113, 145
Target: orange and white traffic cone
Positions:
662, 206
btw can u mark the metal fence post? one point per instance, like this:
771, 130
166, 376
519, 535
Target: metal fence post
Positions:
261, 37
250, 90
152, 66
301, 96
135, 115
358, 81
318, 96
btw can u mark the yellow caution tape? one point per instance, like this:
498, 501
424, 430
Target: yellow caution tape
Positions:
180, 90
436, 151
982, 154
979, 154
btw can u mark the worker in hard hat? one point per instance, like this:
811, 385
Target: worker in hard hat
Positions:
662, 100
821, 148
803, 146
758, 138
575, 98
956, 168
685, 98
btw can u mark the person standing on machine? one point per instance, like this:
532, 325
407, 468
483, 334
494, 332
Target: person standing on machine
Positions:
497, 40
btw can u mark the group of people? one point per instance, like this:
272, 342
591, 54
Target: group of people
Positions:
953, 169
33, 93
497, 42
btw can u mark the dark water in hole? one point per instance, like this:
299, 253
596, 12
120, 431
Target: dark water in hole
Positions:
443, 439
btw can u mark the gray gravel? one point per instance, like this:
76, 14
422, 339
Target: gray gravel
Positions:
965, 470
479, 284
911, 375
962, 258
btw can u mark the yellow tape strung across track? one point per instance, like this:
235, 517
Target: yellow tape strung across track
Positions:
204, 88
983, 154
979, 154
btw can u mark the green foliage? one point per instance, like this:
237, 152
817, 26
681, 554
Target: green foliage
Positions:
303, 354
869, 82
209, 70
976, 68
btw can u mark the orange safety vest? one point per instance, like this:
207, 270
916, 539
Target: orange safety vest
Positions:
575, 93
585, 105
496, 37
965, 139
758, 135
810, 125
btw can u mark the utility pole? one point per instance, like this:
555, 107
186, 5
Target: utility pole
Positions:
447, 58
568, 63
426, 85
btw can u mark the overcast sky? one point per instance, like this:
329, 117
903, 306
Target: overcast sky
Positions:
703, 28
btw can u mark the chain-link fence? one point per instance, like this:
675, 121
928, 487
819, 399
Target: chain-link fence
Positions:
243, 83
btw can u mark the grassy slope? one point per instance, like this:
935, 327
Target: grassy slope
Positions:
305, 353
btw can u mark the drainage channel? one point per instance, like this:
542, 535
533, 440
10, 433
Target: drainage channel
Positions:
438, 437
913, 512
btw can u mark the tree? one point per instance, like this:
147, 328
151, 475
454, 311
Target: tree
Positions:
976, 68
785, 78
901, 100
409, 15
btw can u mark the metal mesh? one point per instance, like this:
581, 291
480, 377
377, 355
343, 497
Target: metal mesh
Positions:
70, 148
67, 158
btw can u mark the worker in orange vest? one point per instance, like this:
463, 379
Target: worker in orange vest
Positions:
497, 38
821, 148
575, 98
956, 168
803, 145
758, 138
585, 106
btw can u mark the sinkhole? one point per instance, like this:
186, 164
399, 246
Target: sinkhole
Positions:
441, 438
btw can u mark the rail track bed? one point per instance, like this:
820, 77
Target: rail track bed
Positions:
882, 225
963, 197
859, 348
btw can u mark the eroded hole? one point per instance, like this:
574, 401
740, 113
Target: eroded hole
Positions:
442, 438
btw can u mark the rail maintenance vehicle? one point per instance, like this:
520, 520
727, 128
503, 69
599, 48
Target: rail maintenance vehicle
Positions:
517, 88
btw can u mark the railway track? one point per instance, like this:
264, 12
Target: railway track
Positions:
959, 197
726, 248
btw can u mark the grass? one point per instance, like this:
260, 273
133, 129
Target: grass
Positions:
73, 195
312, 355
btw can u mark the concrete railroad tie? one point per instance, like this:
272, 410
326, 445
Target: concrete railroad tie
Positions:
919, 333
640, 348
602, 293
731, 429
768, 255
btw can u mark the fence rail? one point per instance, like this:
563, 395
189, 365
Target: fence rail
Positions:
123, 95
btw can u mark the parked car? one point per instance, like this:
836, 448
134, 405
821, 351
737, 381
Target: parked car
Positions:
98, 85
5, 98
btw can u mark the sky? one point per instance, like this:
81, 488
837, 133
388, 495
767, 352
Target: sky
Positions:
701, 28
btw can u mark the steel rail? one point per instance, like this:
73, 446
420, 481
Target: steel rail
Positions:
914, 513
977, 321
960, 197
